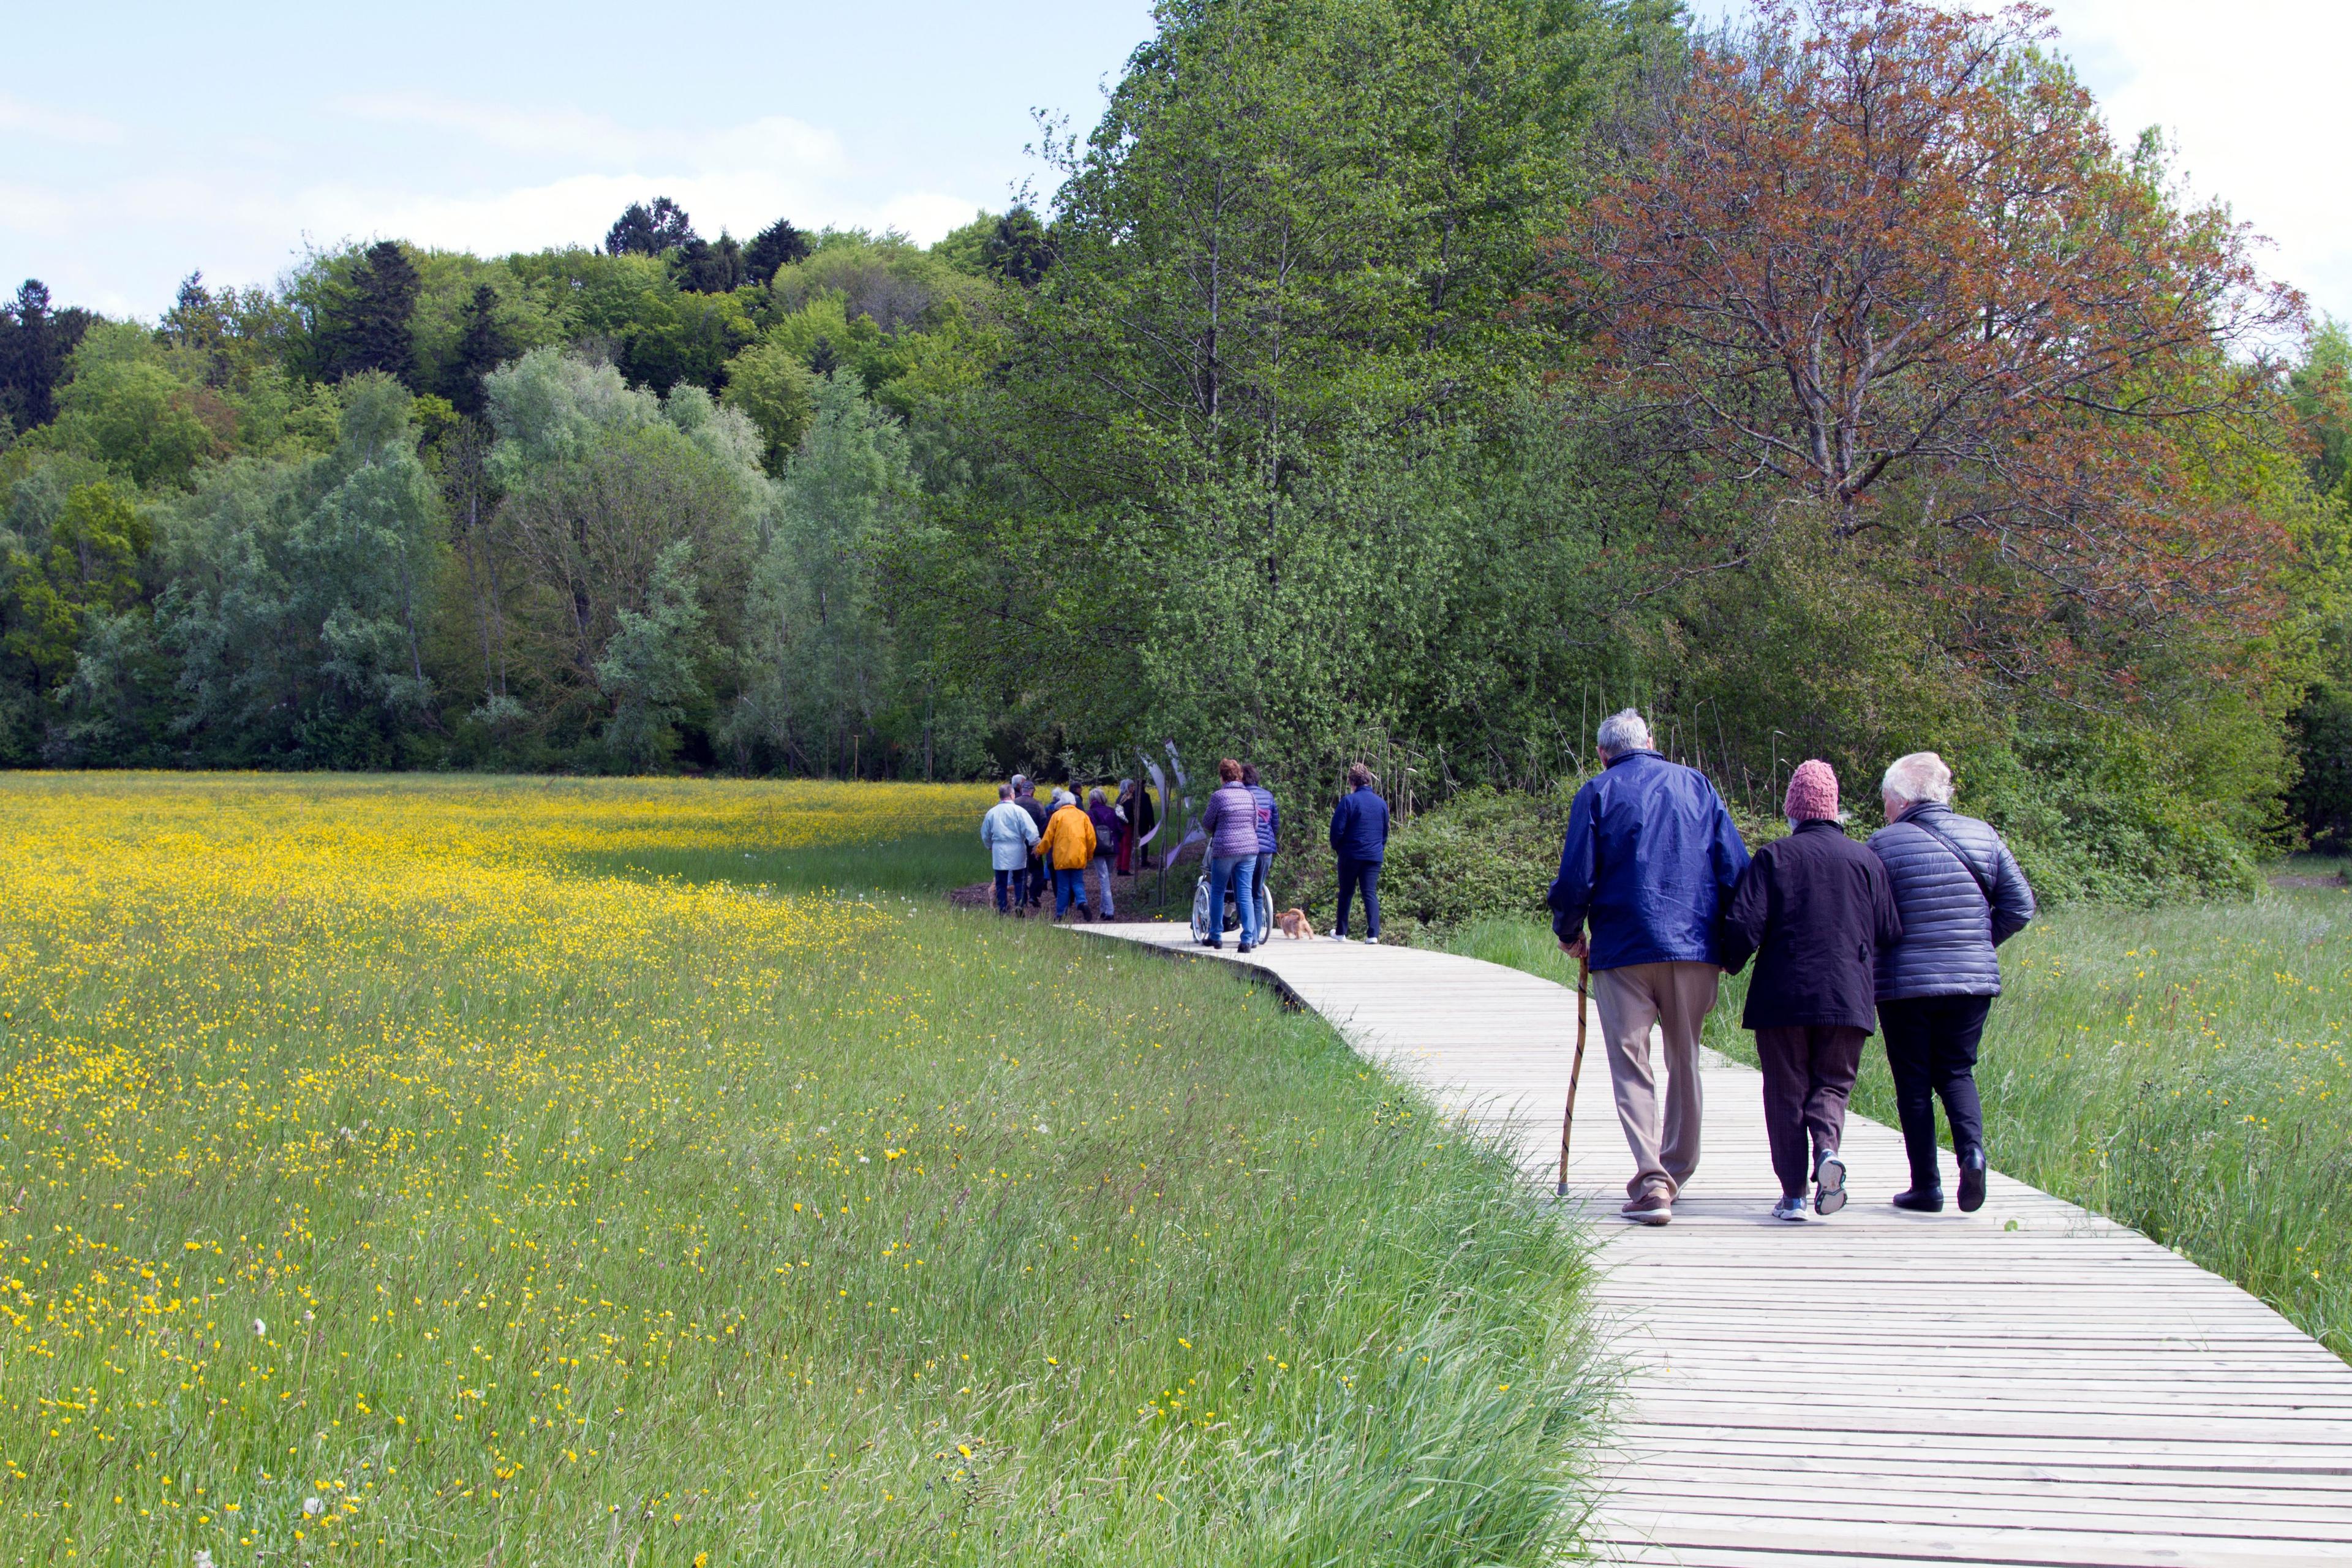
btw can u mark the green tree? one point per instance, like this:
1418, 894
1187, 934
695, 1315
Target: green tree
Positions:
483, 345
652, 666
770, 384
370, 329
818, 648
88, 567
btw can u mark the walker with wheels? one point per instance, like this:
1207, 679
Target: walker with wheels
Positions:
1233, 920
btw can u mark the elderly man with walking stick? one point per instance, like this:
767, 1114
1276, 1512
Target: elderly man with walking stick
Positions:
1650, 857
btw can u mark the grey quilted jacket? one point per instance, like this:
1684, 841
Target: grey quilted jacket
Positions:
1948, 929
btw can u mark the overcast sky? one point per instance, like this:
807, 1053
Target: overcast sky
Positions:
148, 141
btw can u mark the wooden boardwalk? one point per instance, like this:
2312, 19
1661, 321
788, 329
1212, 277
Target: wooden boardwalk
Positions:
2029, 1384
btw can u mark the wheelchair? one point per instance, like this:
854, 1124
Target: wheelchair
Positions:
1201, 932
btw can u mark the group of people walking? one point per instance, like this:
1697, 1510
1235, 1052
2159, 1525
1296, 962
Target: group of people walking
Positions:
1033, 844
1659, 896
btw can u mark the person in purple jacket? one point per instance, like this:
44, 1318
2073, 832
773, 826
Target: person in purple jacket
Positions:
1230, 823
1269, 824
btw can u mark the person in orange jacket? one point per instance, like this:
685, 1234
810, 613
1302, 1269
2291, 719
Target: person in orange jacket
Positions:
1067, 845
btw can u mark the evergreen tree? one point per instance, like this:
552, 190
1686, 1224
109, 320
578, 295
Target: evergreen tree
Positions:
372, 329
1020, 249
649, 231
34, 344
483, 345
775, 247
705, 266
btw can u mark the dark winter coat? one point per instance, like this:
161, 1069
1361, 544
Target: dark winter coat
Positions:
1950, 928
1039, 813
1815, 910
1230, 822
1269, 818
1649, 856
1359, 825
1108, 828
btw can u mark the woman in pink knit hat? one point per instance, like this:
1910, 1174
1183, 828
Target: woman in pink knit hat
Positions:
1814, 909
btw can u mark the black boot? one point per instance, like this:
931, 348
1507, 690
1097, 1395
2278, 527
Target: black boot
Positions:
1920, 1200
1972, 1180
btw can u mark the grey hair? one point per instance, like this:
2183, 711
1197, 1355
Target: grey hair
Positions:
1920, 776
1095, 797
1020, 782
1004, 792
1625, 731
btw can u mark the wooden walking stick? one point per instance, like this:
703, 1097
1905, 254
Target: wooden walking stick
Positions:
1575, 1071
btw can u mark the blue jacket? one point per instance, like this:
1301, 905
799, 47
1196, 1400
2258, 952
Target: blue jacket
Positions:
1269, 818
1359, 825
1949, 929
1650, 858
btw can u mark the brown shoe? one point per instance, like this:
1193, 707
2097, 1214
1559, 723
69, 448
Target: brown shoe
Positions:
1651, 1208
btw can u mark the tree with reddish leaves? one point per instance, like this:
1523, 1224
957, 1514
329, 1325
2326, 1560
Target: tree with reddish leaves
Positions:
1884, 256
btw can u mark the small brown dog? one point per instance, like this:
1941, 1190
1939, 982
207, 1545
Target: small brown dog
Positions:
1294, 924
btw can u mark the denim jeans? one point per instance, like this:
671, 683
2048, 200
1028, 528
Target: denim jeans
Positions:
1233, 872
1099, 867
1364, 874
1014, 882
1068, 889
1257, 878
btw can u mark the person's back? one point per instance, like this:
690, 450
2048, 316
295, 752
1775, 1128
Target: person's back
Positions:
1814, 910
1359, 825
1268, 818
1006, 830
1960, 895
1650, 854
1231, 820
1950, 926
1649, 857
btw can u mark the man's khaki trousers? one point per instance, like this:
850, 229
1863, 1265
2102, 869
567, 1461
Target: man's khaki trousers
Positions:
1662, 1131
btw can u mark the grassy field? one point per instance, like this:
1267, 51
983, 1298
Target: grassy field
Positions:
569, 1172
2183, 1070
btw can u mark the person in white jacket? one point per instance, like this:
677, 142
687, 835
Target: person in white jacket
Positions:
1008, 831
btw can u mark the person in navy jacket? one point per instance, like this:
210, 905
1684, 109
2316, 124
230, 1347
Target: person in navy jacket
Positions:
1359, 837
1650, 856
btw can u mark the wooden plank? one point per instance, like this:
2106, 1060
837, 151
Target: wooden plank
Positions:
2031, 1385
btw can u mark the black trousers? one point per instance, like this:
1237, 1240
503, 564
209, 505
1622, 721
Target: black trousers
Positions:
1931, 1047
1355, 874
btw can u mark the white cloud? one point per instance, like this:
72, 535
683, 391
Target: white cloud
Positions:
56, 124
2251, 97
579, 138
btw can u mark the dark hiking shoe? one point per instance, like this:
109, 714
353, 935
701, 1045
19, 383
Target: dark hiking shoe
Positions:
1973, 1181
1829, 1195
1650, 1208
1246, 947
1920, 1200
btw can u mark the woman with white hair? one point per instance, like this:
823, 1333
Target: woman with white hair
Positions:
1960, 895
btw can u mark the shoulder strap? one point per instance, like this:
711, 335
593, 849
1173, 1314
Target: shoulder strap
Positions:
1966, 864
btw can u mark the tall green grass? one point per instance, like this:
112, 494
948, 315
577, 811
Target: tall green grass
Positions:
969, 1242
2183, 1070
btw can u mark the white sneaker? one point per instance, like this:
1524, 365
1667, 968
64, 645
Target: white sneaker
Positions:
1789, 1208
1341, 936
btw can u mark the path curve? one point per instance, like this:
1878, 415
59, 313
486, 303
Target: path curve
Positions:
2030, 1384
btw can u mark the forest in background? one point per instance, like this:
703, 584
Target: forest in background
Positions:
1408, 379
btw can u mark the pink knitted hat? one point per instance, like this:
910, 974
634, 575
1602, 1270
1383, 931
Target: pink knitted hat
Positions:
1812, 793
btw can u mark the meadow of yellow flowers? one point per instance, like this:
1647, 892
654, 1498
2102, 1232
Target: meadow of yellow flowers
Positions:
567, 1172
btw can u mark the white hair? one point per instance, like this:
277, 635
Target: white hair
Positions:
1625, 731
1921, 777
1097, 797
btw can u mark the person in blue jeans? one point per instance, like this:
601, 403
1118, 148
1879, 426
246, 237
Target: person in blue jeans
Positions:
1230, 823
1359, 837
1269, 823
